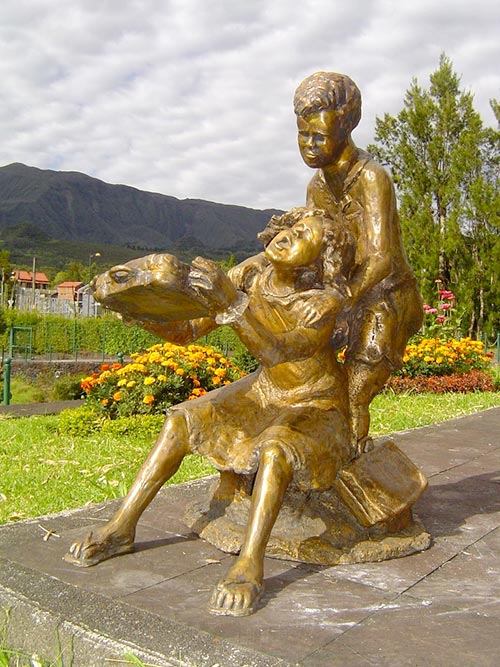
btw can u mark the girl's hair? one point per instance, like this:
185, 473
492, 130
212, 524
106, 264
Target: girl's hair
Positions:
328, 90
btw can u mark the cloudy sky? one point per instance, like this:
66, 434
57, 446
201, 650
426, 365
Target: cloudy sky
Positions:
193, 98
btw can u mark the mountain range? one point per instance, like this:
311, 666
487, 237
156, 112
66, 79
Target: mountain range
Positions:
74, 207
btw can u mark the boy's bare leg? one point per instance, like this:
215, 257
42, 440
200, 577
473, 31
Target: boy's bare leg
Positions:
364, 381
239, 591
117, 535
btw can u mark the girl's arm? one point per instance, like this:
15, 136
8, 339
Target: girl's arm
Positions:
315, 324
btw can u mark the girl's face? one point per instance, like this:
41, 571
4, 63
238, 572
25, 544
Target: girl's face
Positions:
297, 246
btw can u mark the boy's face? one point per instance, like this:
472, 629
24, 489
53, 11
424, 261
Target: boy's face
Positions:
297, 246
321, 137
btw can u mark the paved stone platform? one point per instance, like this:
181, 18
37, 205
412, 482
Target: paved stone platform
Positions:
437, 608
29, 409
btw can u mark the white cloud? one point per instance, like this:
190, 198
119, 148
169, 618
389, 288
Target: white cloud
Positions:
194, 98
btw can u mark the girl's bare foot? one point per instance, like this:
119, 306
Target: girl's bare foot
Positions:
238, 593
99, 545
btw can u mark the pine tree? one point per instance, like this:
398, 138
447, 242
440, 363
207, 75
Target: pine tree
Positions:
445, 167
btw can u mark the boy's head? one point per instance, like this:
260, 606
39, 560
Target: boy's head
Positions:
328, 108
327, 91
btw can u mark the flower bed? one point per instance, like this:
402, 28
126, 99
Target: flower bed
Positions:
435, 365
435, 356
156, 379
442, 384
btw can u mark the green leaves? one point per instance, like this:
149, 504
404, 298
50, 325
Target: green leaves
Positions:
445, 165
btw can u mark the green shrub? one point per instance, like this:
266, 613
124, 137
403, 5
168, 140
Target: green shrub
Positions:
84, 421
245, 361
63, 335
80, 421
67, 388
141, 425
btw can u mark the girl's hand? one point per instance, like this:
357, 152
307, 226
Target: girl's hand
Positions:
211, 284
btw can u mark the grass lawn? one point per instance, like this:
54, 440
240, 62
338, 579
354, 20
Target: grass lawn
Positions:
42, 472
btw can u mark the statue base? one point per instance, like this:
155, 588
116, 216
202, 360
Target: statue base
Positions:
366, 517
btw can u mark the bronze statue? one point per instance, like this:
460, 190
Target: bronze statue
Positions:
290, 440
386, 307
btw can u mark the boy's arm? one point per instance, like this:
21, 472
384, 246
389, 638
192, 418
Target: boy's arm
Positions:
375, 194
376, 231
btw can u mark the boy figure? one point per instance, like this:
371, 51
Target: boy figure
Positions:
385, 307
287, 423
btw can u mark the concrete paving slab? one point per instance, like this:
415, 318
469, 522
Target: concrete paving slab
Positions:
28, 409
439, 607
414, 636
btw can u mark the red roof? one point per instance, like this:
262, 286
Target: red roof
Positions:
70, 283
27, 276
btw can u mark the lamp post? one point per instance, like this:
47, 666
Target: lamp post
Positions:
91, 257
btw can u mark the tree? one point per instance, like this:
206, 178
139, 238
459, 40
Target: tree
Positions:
495, 105
5, 273
74, 271
445, 167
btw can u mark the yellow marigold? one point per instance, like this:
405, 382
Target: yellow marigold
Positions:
131, 384
149, 380
162, 378
105, 401
199, 391
180, 371
216, 379
117, 396
122, 382
220, 372
148, 399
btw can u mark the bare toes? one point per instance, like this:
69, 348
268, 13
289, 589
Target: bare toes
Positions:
232, 598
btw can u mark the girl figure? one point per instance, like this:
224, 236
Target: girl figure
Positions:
286, 423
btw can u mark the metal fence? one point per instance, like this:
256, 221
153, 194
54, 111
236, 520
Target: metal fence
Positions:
27, 300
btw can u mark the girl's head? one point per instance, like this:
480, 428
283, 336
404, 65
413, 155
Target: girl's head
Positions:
310, 239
